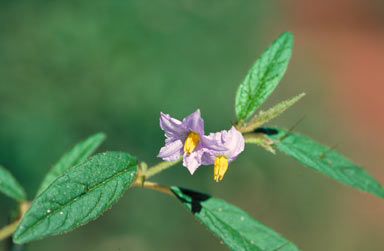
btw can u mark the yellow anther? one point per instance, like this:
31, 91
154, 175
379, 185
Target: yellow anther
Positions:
191, 142
220, 167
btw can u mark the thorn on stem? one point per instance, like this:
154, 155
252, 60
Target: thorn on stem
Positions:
292, 128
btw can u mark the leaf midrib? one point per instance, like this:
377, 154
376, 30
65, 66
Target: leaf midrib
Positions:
257, 89
347, 180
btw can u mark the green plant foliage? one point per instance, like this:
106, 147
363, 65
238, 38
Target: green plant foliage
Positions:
260, 140
264, 76
237, 229
75, 156
325, 160
265, 116
81, 194
10, 186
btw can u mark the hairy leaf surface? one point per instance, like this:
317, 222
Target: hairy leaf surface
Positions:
325, 160
263, 76
75, 156
80, 195
237, 229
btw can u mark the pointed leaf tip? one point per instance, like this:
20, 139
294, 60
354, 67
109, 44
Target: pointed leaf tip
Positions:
263, 76
324, 160
265, 116
75, 156
9, 185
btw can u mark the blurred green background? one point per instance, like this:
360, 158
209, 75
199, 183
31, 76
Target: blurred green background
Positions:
69, 69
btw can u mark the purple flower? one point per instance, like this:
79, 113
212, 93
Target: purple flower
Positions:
183, 138
231, 143
186, 138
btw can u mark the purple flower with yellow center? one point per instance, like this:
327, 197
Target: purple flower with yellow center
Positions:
231, 143
183, 138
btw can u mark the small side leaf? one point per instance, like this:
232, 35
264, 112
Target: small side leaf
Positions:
75, 156
80, 195
265, 116
9, 185
325, 160
237, 229
264, 76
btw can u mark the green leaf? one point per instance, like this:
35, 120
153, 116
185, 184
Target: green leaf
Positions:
264, 116
237, 229
78, 154
325, 160
264, 76
80, 195
10, 186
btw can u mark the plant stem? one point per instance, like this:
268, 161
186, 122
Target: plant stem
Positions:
160, 167
157, 187
8, 230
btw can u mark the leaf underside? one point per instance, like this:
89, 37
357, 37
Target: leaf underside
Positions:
9, 185
237, 229
75, 156
265, 116
263, 76
325, 160
80, 195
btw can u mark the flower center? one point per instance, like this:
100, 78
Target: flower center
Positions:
220, 167
191, 142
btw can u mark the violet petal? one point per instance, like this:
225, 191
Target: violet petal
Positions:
192, 161
172, 150
172, 127
194, 122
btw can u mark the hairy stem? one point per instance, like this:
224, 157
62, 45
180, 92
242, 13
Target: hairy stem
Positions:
157, 187
160, 167
261, 140
8, 230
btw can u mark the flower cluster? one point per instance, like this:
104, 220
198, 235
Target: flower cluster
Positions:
186, 138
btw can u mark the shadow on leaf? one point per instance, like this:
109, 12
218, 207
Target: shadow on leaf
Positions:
267, 131
194, 199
